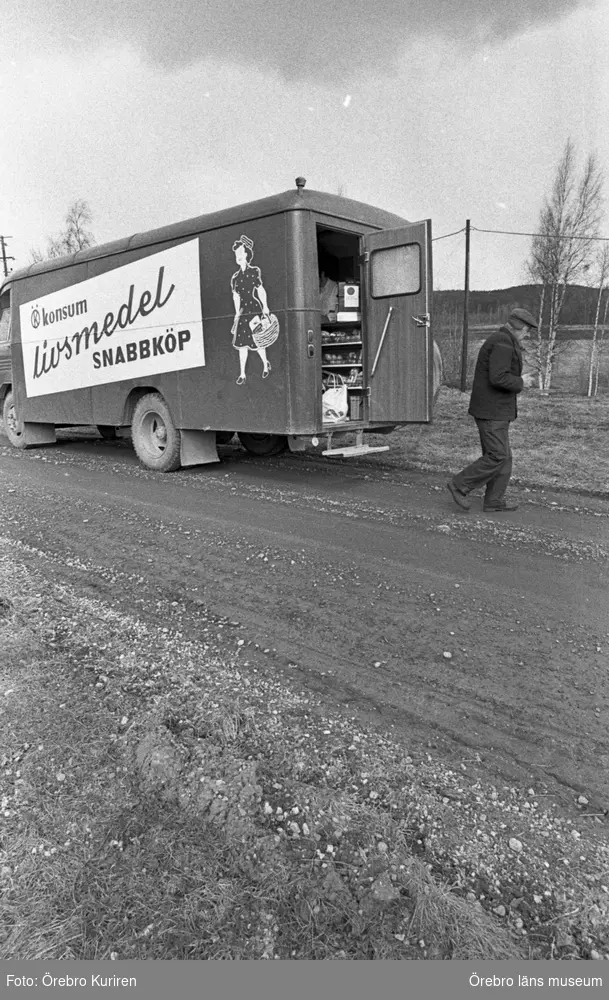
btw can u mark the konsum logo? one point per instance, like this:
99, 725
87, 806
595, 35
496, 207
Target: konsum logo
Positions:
47, 317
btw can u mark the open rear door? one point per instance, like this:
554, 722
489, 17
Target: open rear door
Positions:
397, 284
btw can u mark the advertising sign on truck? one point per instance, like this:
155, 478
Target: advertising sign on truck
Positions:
141, 319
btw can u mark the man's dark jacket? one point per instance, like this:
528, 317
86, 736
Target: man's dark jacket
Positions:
497, 379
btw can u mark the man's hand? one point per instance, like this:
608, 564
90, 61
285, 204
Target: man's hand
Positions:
529, 381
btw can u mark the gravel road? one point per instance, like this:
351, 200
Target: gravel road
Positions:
360, 582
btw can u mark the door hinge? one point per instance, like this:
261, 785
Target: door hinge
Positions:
423, 320
364, 257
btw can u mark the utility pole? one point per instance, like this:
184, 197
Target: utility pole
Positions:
465, 312
5, 257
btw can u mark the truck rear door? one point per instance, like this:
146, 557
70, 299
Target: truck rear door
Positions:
397, 295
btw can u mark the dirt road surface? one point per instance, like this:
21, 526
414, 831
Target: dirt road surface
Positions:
361, 582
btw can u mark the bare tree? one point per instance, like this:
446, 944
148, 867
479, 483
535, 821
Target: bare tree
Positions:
563, 248
597, 342
600, 345
74, 236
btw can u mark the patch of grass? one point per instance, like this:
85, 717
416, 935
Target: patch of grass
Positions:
556, 440
160, 804
448, 920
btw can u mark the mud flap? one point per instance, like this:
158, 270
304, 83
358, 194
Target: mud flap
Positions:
296, 443
36, 434
198, 447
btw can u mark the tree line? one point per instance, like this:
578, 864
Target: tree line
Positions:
489, 308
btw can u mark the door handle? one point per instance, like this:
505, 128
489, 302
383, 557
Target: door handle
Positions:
423, 320
378, 351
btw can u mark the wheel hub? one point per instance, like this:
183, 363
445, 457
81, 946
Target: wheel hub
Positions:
160, 434
12, 421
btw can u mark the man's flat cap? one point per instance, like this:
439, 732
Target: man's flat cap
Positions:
523, 316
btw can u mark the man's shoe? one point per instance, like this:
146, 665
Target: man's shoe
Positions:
457, 496
499, 505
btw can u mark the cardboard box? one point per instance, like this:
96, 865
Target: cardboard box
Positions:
348, 295
355, 407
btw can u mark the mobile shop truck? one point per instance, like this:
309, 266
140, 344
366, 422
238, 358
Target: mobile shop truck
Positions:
190, 333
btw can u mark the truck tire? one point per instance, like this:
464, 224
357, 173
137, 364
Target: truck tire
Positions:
156, 439
13, 427
263, 444
107, 432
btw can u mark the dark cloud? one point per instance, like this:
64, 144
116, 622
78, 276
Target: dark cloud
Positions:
309, 40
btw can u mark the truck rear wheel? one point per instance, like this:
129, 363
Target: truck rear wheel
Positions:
156, 439
263, 444
13, 426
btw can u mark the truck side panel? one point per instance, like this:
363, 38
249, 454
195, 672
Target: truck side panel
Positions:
208, 396
232, 391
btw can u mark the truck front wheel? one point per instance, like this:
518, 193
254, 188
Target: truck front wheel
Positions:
156, 439
263, 444
13, 426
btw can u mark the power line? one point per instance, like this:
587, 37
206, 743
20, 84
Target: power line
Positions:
545, 236
446, 235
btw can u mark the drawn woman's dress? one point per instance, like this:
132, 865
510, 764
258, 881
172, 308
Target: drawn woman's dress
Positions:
245, 283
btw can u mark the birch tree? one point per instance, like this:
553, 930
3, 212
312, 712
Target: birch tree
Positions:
600, 345
597, 341
563, 248
75, 235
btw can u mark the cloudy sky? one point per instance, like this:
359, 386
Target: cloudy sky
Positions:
155, 112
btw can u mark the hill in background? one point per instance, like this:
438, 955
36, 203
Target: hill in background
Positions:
491, 308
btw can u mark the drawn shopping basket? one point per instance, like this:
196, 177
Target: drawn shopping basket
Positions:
265, 330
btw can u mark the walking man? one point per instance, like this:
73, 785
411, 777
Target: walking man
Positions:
497, 381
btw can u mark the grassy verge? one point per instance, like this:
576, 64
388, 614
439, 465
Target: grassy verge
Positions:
557, 440
158, 803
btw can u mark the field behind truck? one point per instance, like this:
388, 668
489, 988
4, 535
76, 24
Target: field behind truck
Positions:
556, 439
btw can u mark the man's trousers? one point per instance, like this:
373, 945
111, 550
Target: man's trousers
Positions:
494, 468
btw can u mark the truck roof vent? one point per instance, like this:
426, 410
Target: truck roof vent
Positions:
300, 183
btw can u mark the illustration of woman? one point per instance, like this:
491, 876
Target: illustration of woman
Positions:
254, 328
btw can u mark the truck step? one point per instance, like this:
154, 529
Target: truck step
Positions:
355, 449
